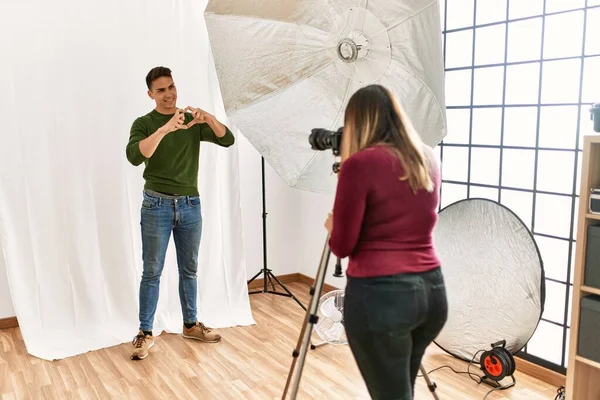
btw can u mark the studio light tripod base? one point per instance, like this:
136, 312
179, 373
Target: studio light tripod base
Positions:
311, 318
269, 277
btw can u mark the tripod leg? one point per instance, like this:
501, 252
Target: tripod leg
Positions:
254, 277
430, 385
290, 294
309, 321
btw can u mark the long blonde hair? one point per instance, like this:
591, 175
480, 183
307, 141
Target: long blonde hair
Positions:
375, 117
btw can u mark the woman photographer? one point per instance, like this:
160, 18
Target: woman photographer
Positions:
384, 213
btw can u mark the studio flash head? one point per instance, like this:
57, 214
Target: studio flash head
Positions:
322, 139
595, 111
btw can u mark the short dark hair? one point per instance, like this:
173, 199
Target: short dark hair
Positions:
155, 73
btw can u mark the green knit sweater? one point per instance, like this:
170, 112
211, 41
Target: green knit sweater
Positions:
173, 168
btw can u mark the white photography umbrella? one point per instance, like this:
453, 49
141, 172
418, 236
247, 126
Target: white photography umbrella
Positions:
286, 67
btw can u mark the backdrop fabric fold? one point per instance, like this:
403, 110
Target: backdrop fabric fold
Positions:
74, 80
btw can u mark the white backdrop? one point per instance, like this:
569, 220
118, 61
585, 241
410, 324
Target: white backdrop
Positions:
72, 74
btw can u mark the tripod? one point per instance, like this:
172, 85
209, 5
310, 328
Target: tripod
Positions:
299, 353
267, 274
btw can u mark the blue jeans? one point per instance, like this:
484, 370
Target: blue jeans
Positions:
389, 322
159, 217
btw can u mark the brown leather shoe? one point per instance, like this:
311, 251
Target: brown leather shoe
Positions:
201, 332
141, 345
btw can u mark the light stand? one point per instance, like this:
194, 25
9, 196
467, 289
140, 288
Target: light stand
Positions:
311, 318
266, 272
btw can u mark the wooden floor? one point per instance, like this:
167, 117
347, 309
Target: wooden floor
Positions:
249, 363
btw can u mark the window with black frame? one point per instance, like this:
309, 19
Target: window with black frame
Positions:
520, 78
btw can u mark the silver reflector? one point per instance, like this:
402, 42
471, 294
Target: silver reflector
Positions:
494, 277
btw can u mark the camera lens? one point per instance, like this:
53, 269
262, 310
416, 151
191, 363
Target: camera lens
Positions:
320, 139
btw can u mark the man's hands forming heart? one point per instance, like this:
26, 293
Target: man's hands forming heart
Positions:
177, 121
200, 116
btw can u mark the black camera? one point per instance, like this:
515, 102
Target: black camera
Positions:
595, 111
323, 139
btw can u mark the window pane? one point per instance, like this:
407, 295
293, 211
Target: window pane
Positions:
520, 203
528, 8
458, 88
520, 125
546, 342
555, 171
522, 83
483, 193
563, 35
591, 82
488, 86
460, 13
563, 5
486, 125
491, 11
560, 81
459, 49
489, 44
485, 166
553, 215
558, 127
592, 44
555, 254
593, 3
554, 309
518, 168
458, 126
455, 164
452, 193
524, 39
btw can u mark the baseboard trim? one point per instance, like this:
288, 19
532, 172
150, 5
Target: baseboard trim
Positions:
11, 322
258, 284
288, 278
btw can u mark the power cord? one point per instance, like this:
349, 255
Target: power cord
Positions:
560, 392
468, 372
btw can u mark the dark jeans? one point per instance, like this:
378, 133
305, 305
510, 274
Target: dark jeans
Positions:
389, 322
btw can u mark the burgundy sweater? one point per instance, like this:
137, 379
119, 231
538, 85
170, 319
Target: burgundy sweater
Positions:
378, 222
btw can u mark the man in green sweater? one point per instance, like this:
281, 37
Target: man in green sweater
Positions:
167, 140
